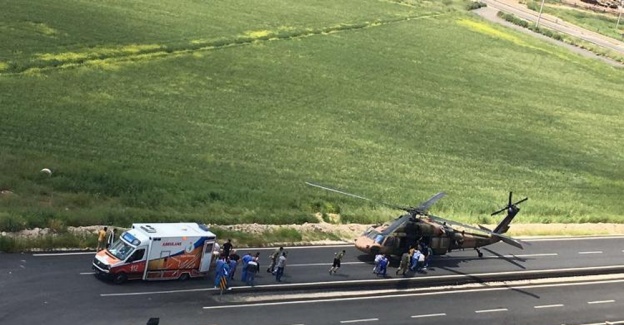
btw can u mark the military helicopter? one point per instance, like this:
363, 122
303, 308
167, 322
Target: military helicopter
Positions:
442, 235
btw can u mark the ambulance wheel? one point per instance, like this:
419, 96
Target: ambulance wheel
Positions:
184, 277
120, 278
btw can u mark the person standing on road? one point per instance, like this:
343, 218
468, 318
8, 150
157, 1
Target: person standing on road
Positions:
404, 265
111, 238
378, 258
256, 259
234, 258
383, 266
227, 247
428, 252
274, 256
102, 239
415, 259
252, 269
221, 271
280, 265
246, 259
337, 259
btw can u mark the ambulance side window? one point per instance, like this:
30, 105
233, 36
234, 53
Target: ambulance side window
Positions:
137, 255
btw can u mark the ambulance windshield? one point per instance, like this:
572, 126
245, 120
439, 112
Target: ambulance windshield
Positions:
120, 249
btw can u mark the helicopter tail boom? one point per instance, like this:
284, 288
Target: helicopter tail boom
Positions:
507, 240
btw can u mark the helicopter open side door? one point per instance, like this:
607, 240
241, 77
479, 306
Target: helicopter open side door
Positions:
440, 244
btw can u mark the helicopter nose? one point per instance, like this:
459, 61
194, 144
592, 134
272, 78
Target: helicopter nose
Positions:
363, 244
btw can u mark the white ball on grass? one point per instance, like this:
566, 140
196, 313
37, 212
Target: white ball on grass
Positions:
46, 171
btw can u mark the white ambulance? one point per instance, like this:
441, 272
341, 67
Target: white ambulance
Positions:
157, 251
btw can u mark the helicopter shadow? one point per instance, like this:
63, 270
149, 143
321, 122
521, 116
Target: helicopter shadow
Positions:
454, 261
366, 258
479, 280
511, 260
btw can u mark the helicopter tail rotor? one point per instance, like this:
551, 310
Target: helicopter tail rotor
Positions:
512, 209
510, 205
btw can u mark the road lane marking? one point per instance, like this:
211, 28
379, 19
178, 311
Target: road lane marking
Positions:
490, 310
63, 254
531, 255
326, 264
87, 273
601, 302
548, 306
156, 292
592, 252
429, 315
569, 238
359, 320
606, 322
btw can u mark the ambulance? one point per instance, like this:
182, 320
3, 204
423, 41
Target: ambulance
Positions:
157, 251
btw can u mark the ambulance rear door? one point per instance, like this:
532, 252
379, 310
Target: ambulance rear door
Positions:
206, 255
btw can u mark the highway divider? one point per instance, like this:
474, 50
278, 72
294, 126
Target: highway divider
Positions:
423, 281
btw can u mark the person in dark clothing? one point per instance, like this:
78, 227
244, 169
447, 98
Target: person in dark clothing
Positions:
337, 259
227, 247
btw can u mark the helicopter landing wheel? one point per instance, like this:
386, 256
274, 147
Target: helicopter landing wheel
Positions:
479, 253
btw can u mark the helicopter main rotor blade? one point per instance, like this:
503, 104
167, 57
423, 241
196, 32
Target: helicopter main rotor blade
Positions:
456, 223
424, 207
356, 196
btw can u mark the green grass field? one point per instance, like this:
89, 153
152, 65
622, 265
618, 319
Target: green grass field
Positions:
219, 111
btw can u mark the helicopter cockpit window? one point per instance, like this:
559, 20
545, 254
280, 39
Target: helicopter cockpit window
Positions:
389, 241
372, 234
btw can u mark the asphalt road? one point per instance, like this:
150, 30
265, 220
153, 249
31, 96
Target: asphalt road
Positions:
578, 303
60, 289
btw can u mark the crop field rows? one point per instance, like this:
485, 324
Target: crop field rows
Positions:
152, 112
